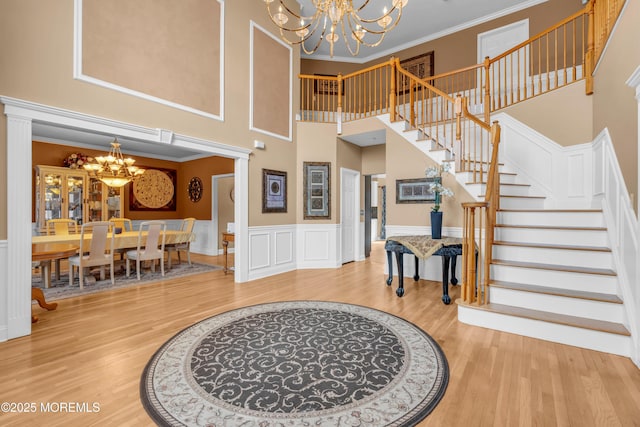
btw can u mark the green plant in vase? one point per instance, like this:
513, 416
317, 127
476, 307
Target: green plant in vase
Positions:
440, 191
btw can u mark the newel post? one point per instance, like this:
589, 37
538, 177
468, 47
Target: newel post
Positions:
487, 90
339, 109
392, 93
589, 56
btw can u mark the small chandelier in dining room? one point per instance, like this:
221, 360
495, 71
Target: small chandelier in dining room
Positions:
113, 169
332, 18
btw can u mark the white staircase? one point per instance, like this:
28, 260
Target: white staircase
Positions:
552, 273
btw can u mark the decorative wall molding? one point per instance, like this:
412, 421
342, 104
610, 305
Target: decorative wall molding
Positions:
318, 246
271, 250
79, 75
252, 27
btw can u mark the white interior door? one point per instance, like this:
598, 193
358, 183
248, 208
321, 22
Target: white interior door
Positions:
349, 202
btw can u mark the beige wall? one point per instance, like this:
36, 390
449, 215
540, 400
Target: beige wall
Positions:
373, 159
317, 143
225, 206
404, 161
38, 44
615, 106
564, 115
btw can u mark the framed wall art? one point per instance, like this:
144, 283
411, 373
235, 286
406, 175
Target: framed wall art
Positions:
155, 190
317, 190
414, 190
274, 191
325, 86
421, 66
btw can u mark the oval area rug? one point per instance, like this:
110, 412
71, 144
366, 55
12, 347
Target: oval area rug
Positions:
296, 363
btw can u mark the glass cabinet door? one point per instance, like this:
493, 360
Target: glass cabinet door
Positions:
53, 196
75, 194
113, 202
95, 205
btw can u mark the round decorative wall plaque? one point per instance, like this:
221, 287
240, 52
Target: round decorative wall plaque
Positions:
154, 189
195, 189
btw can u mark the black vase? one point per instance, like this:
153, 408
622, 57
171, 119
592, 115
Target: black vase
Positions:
436, 225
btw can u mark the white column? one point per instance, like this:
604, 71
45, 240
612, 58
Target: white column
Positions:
18, 278
241, 219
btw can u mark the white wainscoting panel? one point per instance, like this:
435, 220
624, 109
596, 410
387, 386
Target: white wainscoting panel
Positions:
622, 226
563, 174
271, 250
319, 246
4, 283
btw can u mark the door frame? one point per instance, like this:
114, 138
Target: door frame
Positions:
214, 208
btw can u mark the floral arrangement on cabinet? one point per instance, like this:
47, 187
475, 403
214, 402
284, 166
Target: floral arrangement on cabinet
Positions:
436, 186
77, 160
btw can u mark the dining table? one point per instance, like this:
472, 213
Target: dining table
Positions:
44, 253
123, 240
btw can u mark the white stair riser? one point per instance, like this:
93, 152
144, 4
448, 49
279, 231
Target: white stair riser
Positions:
552, 236
599, 310
584, 338
556, 279
558, 219
593, 259
521, 203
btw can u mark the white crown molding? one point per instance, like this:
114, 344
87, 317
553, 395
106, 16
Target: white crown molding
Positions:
427, 38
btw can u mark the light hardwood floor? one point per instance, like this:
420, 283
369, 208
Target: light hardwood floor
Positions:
94, 348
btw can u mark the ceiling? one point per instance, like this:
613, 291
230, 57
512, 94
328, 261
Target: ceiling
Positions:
422, 20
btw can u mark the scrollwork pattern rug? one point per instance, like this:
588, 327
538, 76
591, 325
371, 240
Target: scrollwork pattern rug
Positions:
298, 363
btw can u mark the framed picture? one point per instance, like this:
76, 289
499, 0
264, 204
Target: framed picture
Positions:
274, 191
421, 66
414, 190
326, 87
155, 190
317, 190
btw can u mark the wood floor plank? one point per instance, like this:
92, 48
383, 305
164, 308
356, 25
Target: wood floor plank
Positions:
94, 348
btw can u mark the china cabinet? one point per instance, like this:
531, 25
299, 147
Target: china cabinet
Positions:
70, 193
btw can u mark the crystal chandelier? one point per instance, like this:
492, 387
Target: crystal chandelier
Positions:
332, 17
113, 169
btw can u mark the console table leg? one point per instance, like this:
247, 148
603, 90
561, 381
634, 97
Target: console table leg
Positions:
454, 260
400, 259
390, 262
445, 279
416, 276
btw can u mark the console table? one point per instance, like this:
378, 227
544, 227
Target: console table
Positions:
226, 238
422, 247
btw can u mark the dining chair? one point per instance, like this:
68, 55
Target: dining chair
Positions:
124, 224
151, 237
61, 226
98, 251
186, 228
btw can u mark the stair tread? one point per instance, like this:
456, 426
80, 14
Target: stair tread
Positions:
570, 293
562, 319
553, 246
555, 267
551, 210
552, 227
517, 197
502, 183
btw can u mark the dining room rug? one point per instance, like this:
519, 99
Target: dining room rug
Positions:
296, 363
60, 289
